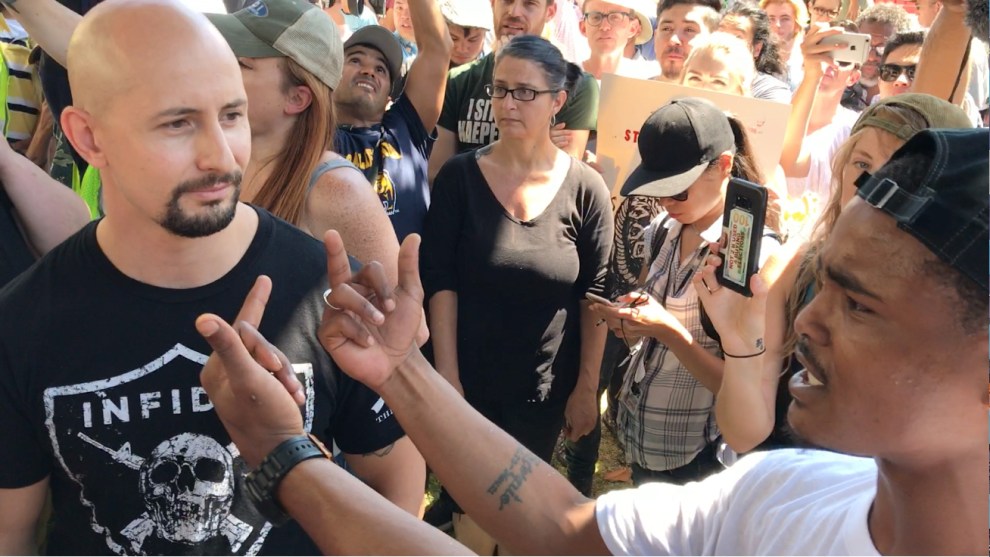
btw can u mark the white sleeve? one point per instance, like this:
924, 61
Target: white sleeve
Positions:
668, 519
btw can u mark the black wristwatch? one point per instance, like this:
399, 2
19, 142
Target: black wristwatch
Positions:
262, 484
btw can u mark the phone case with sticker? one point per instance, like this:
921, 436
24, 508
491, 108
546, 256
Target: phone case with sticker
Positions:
742, 232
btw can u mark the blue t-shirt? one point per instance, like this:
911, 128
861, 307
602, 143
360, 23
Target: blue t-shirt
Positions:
393, 156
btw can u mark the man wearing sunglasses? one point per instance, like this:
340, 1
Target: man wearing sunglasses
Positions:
880, 22
818, 123
898, 62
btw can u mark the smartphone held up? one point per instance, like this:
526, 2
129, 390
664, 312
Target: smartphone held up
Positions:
742, 232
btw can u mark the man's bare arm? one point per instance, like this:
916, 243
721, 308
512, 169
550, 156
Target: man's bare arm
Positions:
427, 78
48, 23
20, 510
942, 55
397, 472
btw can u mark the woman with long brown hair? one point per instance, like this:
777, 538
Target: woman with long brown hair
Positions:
291, 58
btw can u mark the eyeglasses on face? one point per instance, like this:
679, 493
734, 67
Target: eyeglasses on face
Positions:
891, 72
877, 50
519, 93
825, 12
595, 19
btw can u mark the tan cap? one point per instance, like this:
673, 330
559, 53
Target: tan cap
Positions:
293, 29
936, 112
468, 13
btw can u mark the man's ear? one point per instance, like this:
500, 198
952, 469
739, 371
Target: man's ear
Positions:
757, 50
298, 99
551, 11
77, 124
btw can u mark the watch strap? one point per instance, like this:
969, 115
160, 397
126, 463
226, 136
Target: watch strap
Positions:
262, 483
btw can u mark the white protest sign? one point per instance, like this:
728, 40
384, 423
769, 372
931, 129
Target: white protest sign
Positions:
626, 103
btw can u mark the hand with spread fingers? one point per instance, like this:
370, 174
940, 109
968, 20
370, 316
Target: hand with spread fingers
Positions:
739, 320
250, 382
368, 328
637, 314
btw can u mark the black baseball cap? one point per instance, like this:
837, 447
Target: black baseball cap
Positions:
947, 209
676, 144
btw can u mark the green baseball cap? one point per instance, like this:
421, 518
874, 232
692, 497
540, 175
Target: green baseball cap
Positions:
294, 29
936, 112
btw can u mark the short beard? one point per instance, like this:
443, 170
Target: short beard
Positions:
869, 83
219, 215
359, 108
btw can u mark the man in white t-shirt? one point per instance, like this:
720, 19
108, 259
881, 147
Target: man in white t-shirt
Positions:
817, 127
895, 349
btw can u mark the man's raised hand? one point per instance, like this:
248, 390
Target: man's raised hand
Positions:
368, 328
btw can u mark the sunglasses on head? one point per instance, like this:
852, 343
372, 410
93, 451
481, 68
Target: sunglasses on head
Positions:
891, 72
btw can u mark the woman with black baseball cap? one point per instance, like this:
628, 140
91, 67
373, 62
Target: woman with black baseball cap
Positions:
666, 419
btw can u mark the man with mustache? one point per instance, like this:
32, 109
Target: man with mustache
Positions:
895, 348
467, 121
679, 24
392, 147
99, 362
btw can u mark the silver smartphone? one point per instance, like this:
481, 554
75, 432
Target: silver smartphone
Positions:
857, 47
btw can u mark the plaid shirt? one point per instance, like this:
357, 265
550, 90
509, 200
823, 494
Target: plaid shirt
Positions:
666, 415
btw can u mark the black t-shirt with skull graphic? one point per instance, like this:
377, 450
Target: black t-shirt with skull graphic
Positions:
100, 392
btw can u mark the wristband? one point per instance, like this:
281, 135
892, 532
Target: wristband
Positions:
753, 355
262, 484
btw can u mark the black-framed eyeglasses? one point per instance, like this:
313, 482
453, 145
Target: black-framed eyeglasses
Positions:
825, 12
891, 72
878, 50
519, 93
595, 19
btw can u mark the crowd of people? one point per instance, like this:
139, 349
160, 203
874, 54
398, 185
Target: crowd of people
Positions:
262, 271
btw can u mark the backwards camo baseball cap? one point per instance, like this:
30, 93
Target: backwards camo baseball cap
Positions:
292, 29
947, 208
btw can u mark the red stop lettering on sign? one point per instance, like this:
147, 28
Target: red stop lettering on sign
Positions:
632, 135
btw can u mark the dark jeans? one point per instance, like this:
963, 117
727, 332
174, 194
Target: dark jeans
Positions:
703, 465
533, 424
581, 455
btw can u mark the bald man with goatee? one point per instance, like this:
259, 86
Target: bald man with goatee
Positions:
99, 358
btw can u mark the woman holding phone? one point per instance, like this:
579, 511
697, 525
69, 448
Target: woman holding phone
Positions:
517, 233
666, 420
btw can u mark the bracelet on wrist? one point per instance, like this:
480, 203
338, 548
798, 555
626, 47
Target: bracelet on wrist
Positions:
743, 357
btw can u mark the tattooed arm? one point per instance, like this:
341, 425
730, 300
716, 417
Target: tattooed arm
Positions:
396, 471
517, 498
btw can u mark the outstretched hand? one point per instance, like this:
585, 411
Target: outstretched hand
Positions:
368, 328
739, 320
250, 382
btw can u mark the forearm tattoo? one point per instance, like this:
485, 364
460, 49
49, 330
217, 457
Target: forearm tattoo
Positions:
512, 478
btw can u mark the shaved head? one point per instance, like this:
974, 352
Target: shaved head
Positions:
121, 44
159, 109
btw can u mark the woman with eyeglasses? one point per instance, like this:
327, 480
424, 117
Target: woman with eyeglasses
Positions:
752, 404
666, 422
517, 233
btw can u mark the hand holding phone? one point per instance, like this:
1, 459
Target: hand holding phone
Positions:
857, 48
598, 299
742, 233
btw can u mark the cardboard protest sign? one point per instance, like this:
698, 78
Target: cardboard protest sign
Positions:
625, 104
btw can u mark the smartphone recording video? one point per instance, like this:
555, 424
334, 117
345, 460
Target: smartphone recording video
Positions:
742, 231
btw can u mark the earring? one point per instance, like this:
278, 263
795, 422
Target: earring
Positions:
553, 120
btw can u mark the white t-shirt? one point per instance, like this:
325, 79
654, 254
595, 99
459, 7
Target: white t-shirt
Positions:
785, 502
807, 197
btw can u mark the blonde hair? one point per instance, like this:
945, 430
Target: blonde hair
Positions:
284, 192
732, 51
900, 115
800, 10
